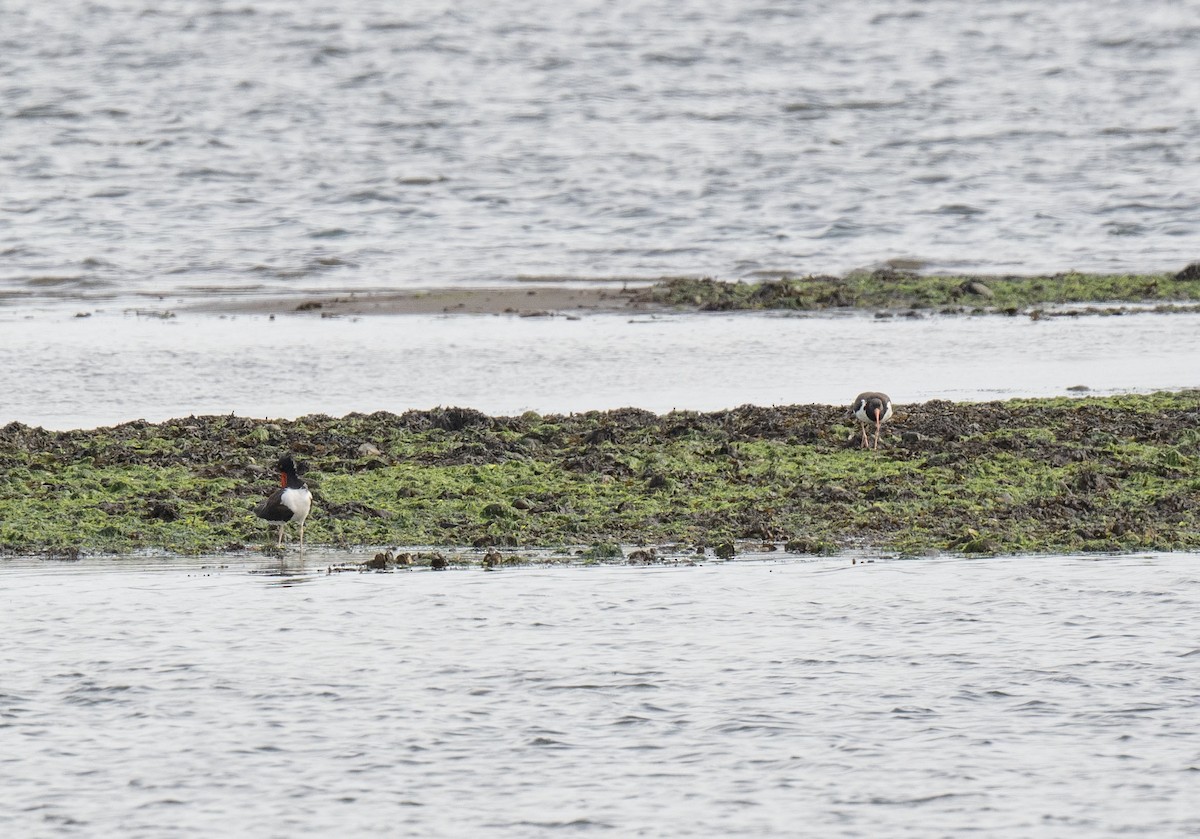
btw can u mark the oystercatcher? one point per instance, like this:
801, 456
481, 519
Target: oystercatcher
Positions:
872, 407
291, 502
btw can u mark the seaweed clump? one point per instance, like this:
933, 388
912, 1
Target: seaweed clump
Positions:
891, 289
1057, 475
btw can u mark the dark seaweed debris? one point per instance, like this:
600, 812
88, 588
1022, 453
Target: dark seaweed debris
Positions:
889, 289
1088, 474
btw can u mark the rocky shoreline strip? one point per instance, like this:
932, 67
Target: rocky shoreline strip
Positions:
1026, 476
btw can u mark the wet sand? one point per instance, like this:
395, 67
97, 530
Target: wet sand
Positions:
885, 292
539, 301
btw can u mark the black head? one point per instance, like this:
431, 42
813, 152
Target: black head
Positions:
872, 403
289, 475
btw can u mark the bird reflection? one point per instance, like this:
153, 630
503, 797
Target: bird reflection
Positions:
281, 571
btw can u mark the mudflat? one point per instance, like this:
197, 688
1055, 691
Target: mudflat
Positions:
885, 289
1024, 476
541, 301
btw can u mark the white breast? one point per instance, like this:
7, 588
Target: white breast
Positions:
299, 501
862, 416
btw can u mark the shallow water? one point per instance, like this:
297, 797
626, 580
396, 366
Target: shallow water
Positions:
191, 148
1009, 697
69, 373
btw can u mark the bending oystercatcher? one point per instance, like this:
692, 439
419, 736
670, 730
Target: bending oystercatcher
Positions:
291, 502
872, 408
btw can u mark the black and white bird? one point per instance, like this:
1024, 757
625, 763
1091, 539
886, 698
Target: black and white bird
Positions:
290, 503
872, 408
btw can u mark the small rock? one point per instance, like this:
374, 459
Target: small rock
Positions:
381, 561
803, 545
1091, 482
438, 562
641, 557
658, 482
369, 450
725, 550
163, 511
978, 288
1079, 388
1192, 272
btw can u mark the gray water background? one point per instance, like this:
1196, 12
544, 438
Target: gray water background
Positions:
1019, 697
219, 148
63, 372
201, 148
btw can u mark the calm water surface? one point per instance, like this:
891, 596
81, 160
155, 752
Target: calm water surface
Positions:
62, 372
205, 149
1020, 697
208, 147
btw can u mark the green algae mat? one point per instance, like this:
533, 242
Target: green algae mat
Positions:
890, 289
1063, 475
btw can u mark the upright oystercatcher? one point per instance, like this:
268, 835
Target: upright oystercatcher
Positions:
872, 407
291, 502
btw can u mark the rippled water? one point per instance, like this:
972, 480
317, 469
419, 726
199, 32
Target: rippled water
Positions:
184, 147
1021, 697
72, 373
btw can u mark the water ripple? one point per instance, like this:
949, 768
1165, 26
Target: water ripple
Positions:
563, 128
156, 701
